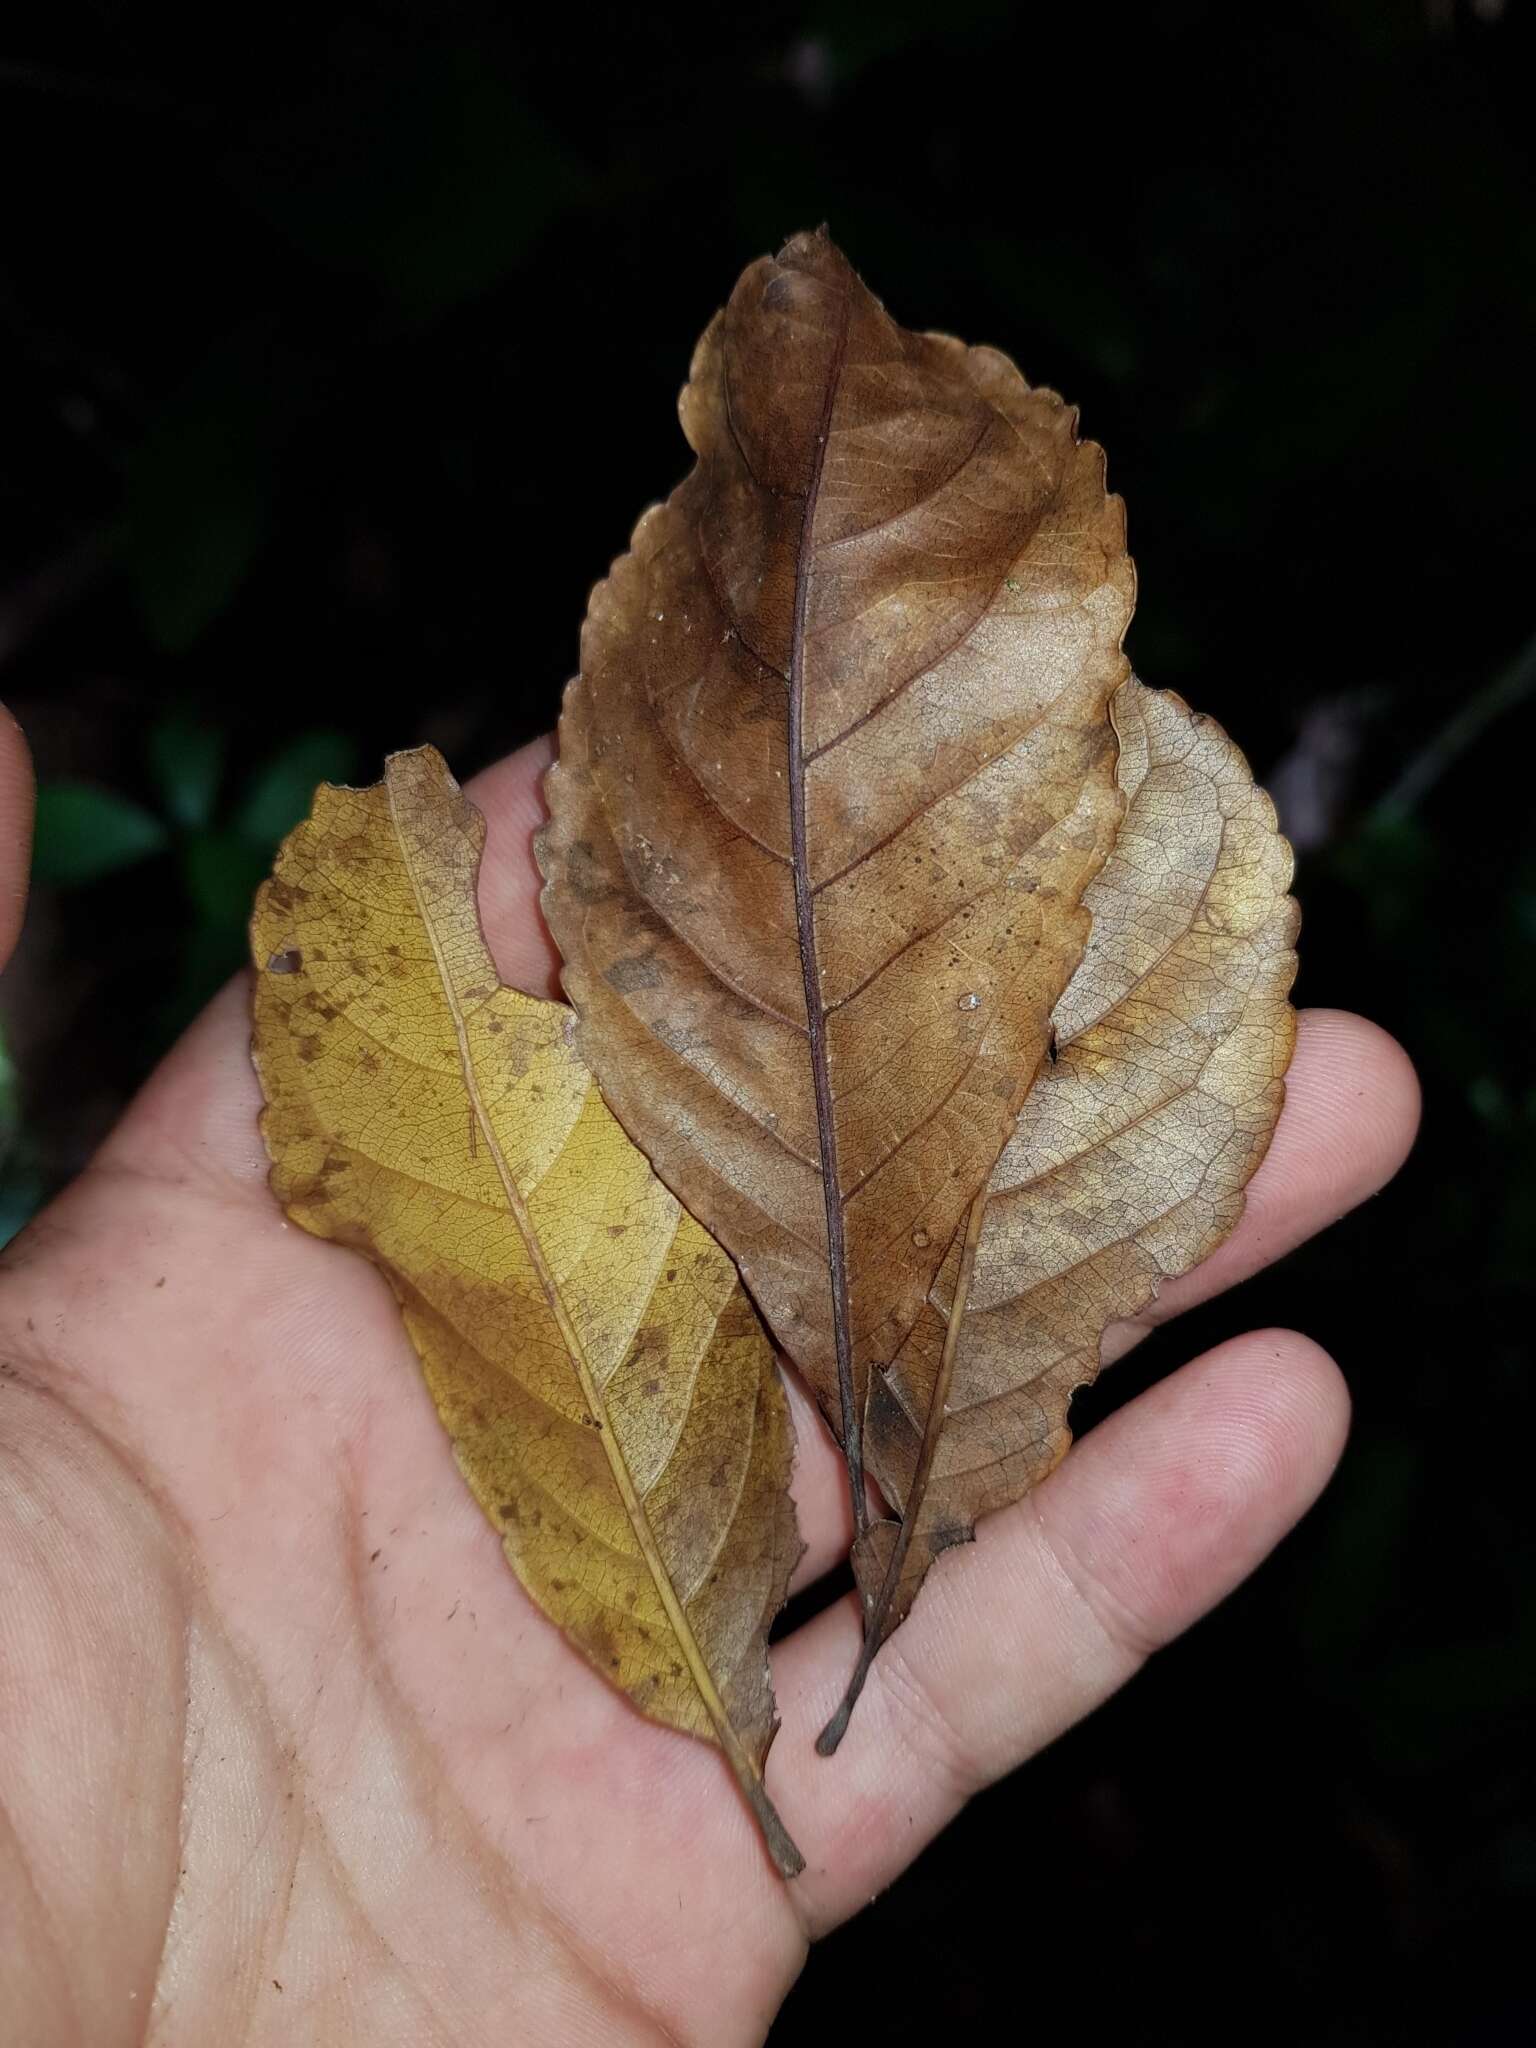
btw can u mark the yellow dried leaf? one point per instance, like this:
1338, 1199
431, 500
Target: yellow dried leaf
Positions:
1129, 1159
611, 1398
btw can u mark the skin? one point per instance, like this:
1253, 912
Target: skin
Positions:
287, 1754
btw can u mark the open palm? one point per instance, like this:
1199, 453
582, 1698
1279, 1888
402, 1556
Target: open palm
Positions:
286, 1754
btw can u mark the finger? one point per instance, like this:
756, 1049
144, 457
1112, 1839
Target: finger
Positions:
16, 806
511, 794
1150, 1521
1351, 1114
819, 1484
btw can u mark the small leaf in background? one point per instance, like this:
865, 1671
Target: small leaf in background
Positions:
83, 833
222, 872
21, 1187
186, 759
202, 481
279, 794
429, 180
611, 1398
10, 1105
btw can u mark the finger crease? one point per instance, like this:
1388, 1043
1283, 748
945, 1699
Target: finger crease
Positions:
1112, 1620
929, 1734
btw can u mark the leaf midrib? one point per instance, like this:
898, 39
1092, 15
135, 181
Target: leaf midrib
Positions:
805, 928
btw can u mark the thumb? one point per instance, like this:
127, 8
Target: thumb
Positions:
16, 803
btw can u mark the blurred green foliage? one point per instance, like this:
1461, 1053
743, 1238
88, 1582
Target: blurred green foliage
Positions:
341, 348
221, 847
82, 834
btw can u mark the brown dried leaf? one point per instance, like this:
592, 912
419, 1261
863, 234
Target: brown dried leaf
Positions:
611, 1397
1130, 1157
832, 780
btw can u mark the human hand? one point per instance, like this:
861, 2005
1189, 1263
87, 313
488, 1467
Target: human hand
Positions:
287, 1754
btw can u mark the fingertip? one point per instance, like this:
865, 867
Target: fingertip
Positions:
511, 790
1361, 1089
1285, 1413
17, 802
1171, 1503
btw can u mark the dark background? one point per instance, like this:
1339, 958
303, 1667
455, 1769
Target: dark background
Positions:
338, 352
